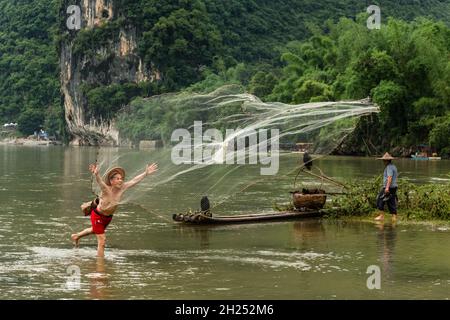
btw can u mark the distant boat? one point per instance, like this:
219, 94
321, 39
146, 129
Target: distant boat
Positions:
302, 147
425, 152
419, 157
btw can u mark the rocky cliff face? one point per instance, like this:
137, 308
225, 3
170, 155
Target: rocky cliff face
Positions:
114, 60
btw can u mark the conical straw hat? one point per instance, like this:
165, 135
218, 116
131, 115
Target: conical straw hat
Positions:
386, 156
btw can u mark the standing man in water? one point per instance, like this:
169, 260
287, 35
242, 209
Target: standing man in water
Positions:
388, 193
112, 188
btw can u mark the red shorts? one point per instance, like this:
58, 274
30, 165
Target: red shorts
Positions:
99, 222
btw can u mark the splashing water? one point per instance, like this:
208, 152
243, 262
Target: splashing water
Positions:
213, 136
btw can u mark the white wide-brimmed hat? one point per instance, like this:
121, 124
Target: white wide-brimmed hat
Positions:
111, 172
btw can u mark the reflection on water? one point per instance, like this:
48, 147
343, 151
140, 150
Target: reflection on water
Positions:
150, 257
386, 236
99, 280
198, 233
309, 230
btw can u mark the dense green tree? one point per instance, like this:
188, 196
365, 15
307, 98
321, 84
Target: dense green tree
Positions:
440, 135
180, 43
31, 120
391, 97
29, 79
262, 84
105, 101
54, 122
402, 67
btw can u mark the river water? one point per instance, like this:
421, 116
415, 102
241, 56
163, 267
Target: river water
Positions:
150, 257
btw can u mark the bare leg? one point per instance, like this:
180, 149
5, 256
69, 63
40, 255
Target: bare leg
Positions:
394, 217
380, 225
77, 236
100, 264
101, 239
380, 216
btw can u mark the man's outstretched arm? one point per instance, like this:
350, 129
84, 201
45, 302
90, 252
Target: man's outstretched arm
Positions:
94, 169
149, 170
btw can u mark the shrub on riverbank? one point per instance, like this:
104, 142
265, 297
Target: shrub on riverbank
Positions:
419, 202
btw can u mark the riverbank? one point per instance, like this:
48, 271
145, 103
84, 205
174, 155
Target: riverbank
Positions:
29, 142
425, 202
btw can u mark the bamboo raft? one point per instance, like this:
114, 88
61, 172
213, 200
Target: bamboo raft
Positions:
199, 218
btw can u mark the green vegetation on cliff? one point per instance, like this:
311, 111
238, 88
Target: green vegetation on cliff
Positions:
29, 72
404, 67
288, 50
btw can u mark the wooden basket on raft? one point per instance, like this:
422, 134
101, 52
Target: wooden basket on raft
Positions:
309, 199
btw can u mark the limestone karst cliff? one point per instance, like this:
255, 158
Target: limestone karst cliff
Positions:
99, 63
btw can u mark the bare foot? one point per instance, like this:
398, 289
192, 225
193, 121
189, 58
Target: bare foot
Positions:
75, 239
380, 217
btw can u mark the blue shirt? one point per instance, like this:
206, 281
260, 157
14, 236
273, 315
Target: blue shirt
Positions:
390, 171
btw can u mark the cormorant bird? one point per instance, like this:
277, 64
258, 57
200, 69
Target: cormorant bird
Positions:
204, 205
307, 161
